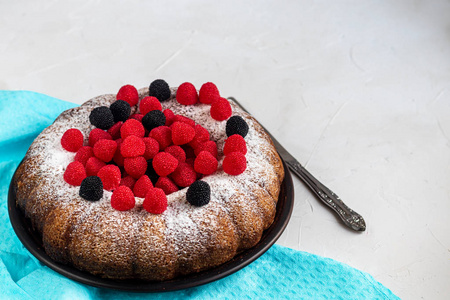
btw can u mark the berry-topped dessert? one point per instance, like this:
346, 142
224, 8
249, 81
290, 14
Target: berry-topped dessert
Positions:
150, 184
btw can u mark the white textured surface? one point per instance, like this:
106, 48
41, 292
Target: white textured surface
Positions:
358, 91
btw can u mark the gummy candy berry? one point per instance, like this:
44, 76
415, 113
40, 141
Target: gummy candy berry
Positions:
184, 175
75, 173
183, 119
155, 201
208, 93
118, 157
182, 133
102, 117
91, 188
164, 163
105, 149
83, 154
97, 134
135, 166
132, 127
167, 185
199, 193
235, 143
93, 165
110, 176
177, 152
159, 89
187, 94
201, 136
220, 109
128, 181
153, 119
129, 94
132, 146
151, 147
142, 186
236, 125
148, 104
114, 131
234, 163
137, 117
205, 163
163, 135
72, 140
209, 146
122, 198
170, 116
121, 110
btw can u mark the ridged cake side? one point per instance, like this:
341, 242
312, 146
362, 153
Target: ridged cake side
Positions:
92, 236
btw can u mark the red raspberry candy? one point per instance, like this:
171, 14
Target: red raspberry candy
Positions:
151, 147
164, 163
97, 134
110, 176
93, 165
205, 163
148, 104
83, 154
105, 149
177, 152
208, 93
184, 175
72, 140
122, 198
209, 146
137, 117
220, 109
128, 181
129, 94
182, 133
142, 186
234, 163
75, 173
235, 143
132, 127
155, 201
180, 118
118, 158
163, 135
201, 136
167, 185
135, 166
132, 146
170, 116
114, 131
187, 94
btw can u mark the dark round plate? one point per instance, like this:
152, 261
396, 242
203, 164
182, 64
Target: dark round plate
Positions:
33, 242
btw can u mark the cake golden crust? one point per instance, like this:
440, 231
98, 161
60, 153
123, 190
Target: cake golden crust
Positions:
94, 237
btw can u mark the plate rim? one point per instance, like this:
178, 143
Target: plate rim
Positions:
22, 228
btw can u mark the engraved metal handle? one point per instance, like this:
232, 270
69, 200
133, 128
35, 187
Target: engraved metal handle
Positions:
350, 218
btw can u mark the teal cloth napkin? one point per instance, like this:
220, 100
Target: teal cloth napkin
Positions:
281, 273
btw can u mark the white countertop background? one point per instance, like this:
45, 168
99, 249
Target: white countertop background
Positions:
358, 91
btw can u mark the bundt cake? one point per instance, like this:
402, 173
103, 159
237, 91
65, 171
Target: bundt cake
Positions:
109, 200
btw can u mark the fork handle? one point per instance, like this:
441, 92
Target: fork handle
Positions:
350, 218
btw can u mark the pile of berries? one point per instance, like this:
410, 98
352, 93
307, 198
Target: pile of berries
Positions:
152, 153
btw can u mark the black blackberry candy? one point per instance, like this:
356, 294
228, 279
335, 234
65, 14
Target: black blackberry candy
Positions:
198, 193
102, 117
91, 188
